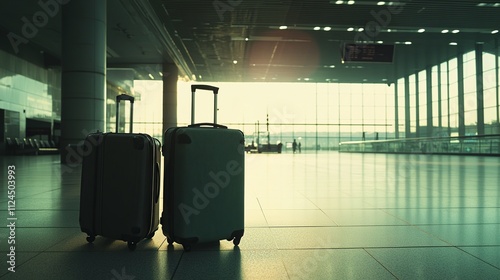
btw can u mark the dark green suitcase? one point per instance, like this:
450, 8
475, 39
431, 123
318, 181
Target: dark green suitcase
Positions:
203, 182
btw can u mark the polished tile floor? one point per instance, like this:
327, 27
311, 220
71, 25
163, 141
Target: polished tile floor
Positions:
308, 216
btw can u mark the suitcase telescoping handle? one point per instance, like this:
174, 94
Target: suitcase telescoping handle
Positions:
215, 90
129, 98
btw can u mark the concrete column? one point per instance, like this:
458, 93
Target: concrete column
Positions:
170, 77
83, 86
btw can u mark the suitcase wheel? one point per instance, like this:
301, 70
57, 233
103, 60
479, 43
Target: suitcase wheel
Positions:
187, 247
132, 245
236, 240
170, 241
90, 238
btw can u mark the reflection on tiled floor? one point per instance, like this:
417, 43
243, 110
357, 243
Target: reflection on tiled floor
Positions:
308, 216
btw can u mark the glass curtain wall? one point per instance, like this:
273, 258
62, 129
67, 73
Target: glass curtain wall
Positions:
320, 115
470, 97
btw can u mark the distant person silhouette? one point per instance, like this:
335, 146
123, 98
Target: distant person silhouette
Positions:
300, 150
294, 146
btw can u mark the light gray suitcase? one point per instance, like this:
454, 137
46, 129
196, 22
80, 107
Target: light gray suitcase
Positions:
203, 182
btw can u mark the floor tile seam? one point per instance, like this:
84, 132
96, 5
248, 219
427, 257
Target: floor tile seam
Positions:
341, 226
437, 224
368, 247
380, 263
46, 227
322, 211
478, 258
48, 210
267, 223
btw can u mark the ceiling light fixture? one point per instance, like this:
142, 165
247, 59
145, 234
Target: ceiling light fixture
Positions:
151, 76
350, 2
350, 29
380, 3
317, 28
361, 29
283, 27
453, 43
339, 2
421, 30
494, 31
327, 28
408, 43
445, 31
455, 31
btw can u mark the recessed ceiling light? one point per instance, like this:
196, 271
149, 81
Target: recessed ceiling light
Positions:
445, 31
350, 2
455, 31
151, 76
327, 28
421, 30
235, 61
453, 43
332, 66
339, 2
380, 42
389, 30
407, 43
494, 31
317, 28
161, 74
283, 27
496, 5
246, 39
361, 29
481, 4
350, 29
381, 3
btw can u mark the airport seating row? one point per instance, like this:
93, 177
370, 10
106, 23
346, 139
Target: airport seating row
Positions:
29, 146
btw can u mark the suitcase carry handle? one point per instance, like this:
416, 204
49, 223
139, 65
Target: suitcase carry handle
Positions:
128, 98
208, 124
215, 90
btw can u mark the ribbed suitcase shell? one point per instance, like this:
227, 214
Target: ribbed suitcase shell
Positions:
203, 185
120, 186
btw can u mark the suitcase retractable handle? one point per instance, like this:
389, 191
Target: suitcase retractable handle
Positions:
129, 98
215, 90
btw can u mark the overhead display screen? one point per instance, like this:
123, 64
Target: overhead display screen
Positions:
367, 53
